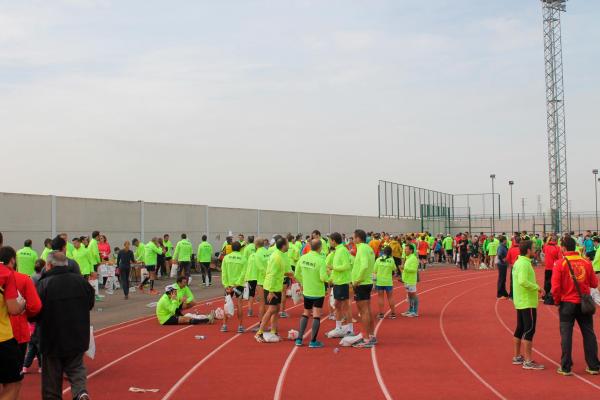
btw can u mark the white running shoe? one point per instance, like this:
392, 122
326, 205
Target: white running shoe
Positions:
336, 333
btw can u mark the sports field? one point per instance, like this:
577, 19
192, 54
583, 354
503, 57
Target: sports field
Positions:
459, 348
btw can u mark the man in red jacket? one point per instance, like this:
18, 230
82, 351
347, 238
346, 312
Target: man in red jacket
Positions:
33, 304
511, 257
551, 255
566, 296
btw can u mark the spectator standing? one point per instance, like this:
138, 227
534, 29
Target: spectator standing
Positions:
64, 327
125, 258
10, 356
183, 256
566, 292
26, 288
47, 248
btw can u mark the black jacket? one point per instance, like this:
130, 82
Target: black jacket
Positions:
64, 321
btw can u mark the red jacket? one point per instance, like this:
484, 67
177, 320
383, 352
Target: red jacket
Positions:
512, 255
19, 323
551, 254
563, 288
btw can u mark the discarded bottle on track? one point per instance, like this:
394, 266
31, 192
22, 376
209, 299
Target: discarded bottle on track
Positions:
200, 337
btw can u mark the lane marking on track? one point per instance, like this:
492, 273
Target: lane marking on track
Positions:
374, 359
457, 354
576, 375
110, 364
182, 380
106, 366
288, 361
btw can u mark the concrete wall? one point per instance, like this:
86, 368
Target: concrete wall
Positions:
24, 216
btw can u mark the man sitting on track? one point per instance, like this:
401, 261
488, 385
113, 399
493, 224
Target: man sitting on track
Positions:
311, 272
184, 294
168, 310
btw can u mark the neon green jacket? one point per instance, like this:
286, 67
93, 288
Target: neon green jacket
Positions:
261, 260
45, 253
410, 269
151, 251
169, 246
186, 291
166, 308
183, 251
205, 251
596, 262
363, 265
384, 269
311, 272
250, 248
341, 273
93, 246
83, 257
525, 287
140, 252
251, 274
26, 258
233, 269
293, 254
492, 248
70, 248
278, 265
447, 243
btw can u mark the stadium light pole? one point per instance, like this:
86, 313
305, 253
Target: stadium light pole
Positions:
512, 215
493, 177
595, 172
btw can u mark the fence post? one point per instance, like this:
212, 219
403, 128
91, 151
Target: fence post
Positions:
258, 222
330, 224
53, 215
142, 228
518, 222
298, 221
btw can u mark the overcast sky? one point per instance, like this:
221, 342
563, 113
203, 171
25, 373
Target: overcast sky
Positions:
289, 105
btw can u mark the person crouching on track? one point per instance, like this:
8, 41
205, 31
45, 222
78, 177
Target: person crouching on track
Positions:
384, 271
233, 278
409, 277
168, 307
277, 268
311, 272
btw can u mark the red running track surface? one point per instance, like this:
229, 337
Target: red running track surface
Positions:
459, 348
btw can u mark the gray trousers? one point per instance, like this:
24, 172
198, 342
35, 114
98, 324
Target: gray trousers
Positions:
52, 376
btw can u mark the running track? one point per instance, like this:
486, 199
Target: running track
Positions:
459, 348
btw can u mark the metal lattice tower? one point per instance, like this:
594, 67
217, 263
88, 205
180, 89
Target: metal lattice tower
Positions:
555, 114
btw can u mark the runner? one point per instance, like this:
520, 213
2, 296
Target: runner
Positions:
363, 284
423, 249
83, 257
384, 271
409, 277
525, 298
311, 272
183, 256
251, 278
447, 243
47, 248
277, 268
204, 255
492, 250
501, 292
233, 275
551, 255
340, 271
151, 252
261, 259
26, 258
168, 253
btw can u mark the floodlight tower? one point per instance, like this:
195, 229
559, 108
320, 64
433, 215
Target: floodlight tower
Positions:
555, 114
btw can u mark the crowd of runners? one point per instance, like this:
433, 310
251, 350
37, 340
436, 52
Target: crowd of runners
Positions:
327, 273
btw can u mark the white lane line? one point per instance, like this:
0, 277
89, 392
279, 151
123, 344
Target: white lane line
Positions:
374, 360
457, 354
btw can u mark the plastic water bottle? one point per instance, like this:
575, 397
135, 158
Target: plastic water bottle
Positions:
99, 310
200, 337
336, 350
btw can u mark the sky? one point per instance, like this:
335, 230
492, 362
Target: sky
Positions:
290, 105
